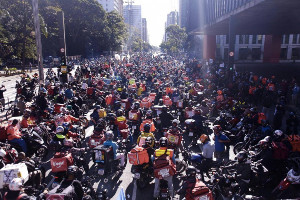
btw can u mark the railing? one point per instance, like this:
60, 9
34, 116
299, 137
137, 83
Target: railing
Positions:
217, 8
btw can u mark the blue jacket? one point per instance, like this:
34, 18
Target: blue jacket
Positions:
220, 147
113, 145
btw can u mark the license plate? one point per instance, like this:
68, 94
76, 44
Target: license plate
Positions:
191, 134
133, 127
164, 195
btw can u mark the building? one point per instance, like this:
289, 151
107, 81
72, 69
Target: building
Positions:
111, 5
172, 18
251, 47
144, 30
183, 13
133, 17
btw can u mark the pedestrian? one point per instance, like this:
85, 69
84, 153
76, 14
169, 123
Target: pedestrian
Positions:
221, 153
2, 100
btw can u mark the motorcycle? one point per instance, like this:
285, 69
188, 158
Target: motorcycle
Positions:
292, 179
35, 144
142, 174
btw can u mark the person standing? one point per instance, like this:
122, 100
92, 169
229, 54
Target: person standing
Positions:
2, 100
220, 140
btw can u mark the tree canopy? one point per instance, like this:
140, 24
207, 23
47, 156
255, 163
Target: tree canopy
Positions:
89, 29
176, 38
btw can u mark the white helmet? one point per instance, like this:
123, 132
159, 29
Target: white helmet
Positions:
68, 142
278, 133
60, 129
15, 184
176, 121
2, 153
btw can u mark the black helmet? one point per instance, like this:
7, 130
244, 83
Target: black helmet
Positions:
241, 156
164, 108
161, 101
163, 141
191, 171
149, 140
119, 113
136, 105
147, 128
72, 171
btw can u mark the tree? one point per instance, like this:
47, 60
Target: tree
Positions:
17, 30
176, 38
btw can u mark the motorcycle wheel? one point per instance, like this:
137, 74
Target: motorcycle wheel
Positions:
238, 147
142, 182
42, 151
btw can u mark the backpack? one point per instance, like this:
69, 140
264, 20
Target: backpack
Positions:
59, 193
280, 151
61, 161
163, 166
261, 116
138, 156
197, 191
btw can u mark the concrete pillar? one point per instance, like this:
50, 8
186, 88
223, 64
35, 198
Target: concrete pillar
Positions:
272, 48
209, 47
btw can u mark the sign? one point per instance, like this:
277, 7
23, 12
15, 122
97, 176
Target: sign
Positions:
62, 50
64, 69
231, 53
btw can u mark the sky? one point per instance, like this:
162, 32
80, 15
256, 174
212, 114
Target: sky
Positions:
156, 11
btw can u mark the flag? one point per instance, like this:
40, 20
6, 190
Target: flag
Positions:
121, 195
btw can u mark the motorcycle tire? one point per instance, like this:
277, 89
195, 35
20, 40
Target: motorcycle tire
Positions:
42, 152
238, 147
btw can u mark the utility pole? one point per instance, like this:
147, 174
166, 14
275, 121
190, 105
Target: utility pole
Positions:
35, 8
130, 2
62, 47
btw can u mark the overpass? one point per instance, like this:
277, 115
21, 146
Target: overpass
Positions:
272, 18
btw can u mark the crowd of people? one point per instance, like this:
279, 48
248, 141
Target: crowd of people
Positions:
162, 109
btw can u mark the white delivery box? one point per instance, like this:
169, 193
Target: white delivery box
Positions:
11, 171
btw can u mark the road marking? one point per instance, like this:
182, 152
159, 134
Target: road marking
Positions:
134, 190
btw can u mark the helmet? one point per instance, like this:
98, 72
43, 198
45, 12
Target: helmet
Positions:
263, 143
97, 107
72, 170
253, 109
2, 153
241, 156
66, 125
60, 129
278, 133
119, 113
15, 184
163, 141
176, 121
191, 171
160, 101
198, 111
219, 92
68, 142
109, 135
203, 138
75, 98
217, 127
149, 113
148, 140
69, 107
147, 128
136, 105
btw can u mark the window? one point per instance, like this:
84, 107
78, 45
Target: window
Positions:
286, 39
256, 52
225, 53
259, 39
283, 53
254, 38
241, 39
227, 39
246, 39
294, 38
295, 53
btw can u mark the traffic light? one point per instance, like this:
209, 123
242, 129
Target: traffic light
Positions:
63, 60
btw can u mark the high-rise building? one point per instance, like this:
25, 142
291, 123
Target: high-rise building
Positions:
183, 13
190, 14
133, 17
110, 5
144, 30
172, 18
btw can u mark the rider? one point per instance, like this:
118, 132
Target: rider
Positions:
15, 191
220, 141
149, 147
109, 142
159, 152
70, 186
165, 117
208, 150
14, 135
189, 183
146, 133
265, 154
149, 121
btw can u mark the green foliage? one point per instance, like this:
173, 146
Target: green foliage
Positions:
88, 28
176, 38
138, 45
